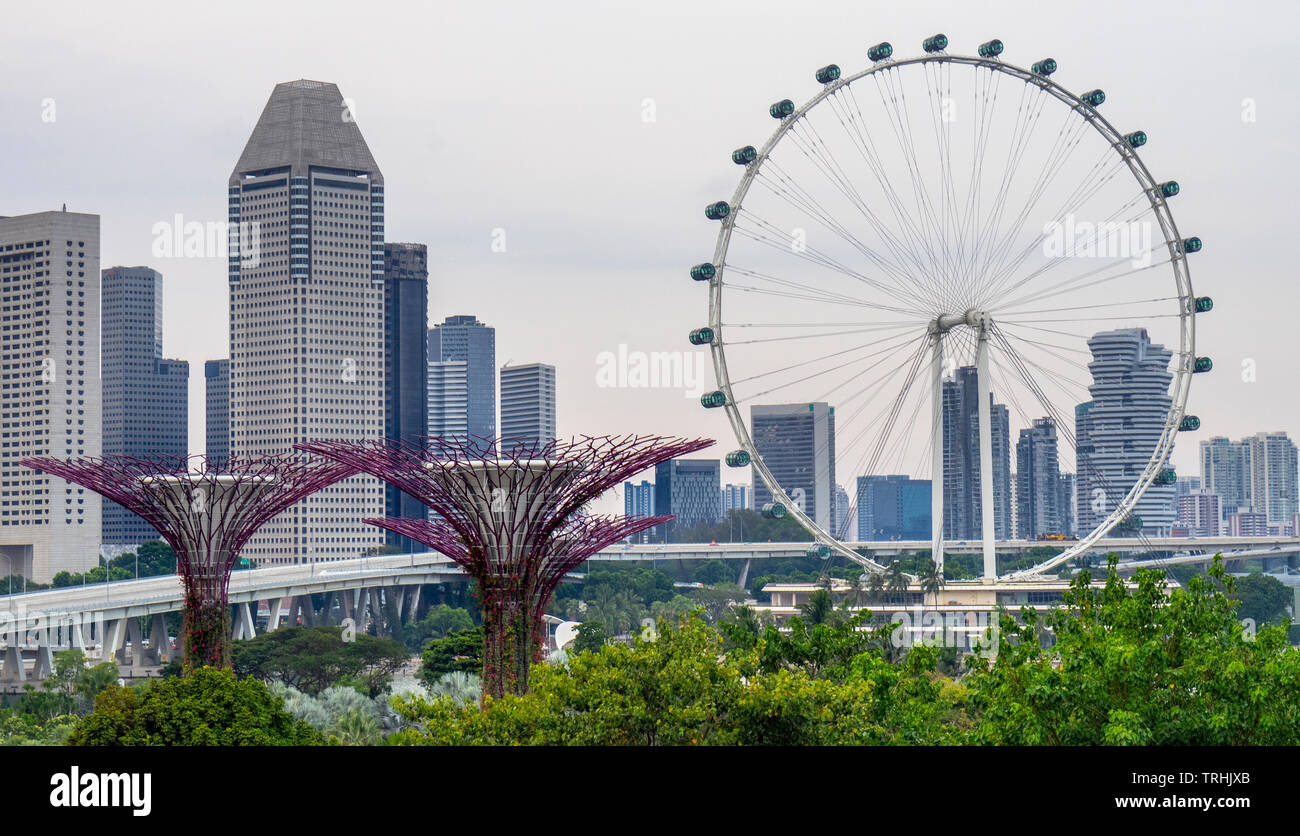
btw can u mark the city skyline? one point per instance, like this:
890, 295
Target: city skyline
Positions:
1227, 405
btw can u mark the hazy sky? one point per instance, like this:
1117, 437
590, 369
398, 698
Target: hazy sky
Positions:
530, 118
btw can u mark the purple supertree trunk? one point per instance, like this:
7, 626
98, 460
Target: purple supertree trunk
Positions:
511, 516
206, 514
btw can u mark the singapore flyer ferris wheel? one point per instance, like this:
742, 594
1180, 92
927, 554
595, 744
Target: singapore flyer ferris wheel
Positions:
942, 259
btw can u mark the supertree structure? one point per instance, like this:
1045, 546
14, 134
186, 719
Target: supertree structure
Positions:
206, 514
511, 515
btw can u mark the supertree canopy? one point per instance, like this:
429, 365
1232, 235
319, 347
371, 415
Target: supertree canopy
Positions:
511, 515
206, 514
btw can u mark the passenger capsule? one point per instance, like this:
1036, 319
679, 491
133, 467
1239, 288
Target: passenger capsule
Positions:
991, 49
819, 550
781, 109
1204, 304
744, 156
1168, 476
717, 211
1136, 139
1169, 188
703, 272
701, 336
1093, 98
1192, 245
713, 400
880, 52
1202, 364
738, 458
773, 511
935, 43
1190, 422
1044, 68
828, 73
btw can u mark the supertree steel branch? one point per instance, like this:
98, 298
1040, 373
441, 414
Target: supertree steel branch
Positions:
206, 514
510, 515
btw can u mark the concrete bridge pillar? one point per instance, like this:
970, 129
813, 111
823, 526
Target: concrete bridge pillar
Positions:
114, 639
245, 626
13, 672
160, 647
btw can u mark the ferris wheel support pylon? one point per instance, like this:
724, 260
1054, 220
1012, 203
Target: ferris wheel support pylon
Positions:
936, 477
987, 524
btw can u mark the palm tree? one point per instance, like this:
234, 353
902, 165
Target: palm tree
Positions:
818, 609
895, 580
358, 728
876, 586
931, 579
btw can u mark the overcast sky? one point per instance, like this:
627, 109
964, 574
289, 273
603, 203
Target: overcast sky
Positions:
530, 118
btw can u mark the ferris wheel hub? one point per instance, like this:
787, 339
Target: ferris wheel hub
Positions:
973, 318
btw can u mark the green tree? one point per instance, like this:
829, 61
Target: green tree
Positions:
1139, 665
210, 707
439, 622
931, 578
896, 583
591, 636
457, 652
1263, 598
819, 608
312, 659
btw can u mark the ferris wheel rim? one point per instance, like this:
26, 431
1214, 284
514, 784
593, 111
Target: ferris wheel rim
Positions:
1184, 358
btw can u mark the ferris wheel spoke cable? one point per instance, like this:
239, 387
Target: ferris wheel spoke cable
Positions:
1062, 152
814, 256
1103, 171
821, 216
896, 343
1067, 285
900, 124
896, 267
866, 146
799, 198
730, 343
894, 348
1026, 121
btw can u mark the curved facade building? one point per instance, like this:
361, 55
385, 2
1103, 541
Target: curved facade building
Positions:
1118, 430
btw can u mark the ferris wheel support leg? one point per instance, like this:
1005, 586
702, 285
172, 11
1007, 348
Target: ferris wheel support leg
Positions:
987, 528
936, 475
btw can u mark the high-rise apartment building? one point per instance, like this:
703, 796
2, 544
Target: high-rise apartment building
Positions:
797, 443
528, 404
1273, 475
962, 497
306, 269
1199, 513
216, 395
1067, 505
1118, 430
464, 339
1226, 471
1258, 473
687, 489
1038, 481
145, 397
49, 390
406, 368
